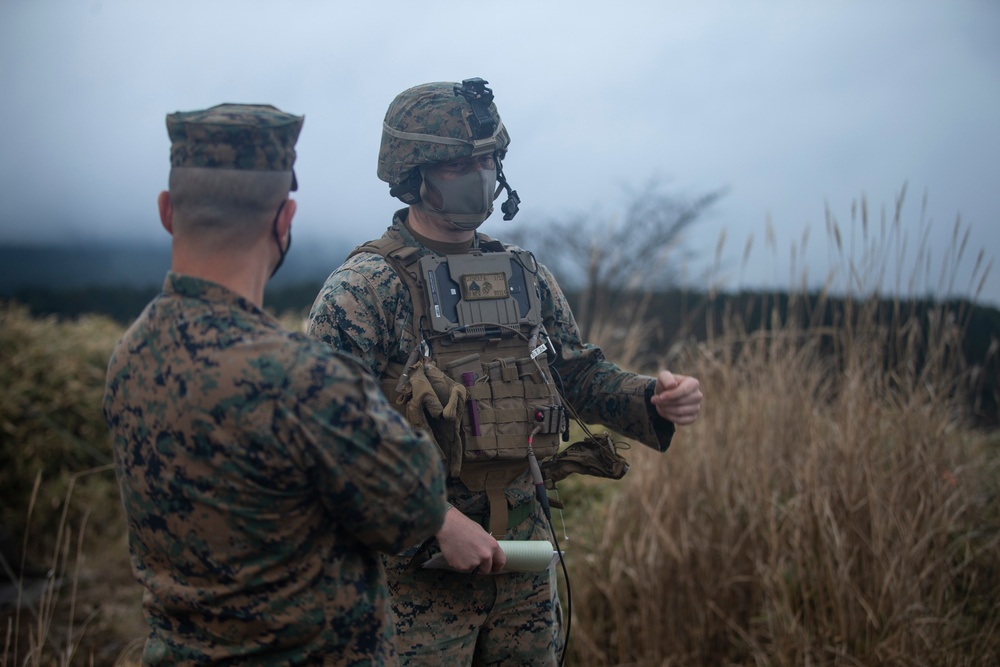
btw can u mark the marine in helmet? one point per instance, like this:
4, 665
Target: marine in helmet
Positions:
260, 471
442, 151
473, 341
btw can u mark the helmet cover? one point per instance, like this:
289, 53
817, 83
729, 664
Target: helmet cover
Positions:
430, 123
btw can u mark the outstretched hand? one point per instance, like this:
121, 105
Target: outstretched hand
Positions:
677, 397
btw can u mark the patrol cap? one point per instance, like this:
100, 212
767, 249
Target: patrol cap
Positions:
251, 137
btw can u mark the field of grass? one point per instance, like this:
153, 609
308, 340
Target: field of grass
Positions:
824, 510
833, 505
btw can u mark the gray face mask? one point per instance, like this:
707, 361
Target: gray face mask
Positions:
466, 201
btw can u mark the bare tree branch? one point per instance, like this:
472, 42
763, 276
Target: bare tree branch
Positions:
614, 261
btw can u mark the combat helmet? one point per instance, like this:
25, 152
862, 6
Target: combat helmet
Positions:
437, 122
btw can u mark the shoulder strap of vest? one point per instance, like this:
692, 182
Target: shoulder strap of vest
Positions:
490, 245
390, 246
403, 259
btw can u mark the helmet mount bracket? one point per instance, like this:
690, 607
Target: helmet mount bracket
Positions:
481, 121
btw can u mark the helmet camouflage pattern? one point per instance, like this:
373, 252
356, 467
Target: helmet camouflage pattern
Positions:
436, 122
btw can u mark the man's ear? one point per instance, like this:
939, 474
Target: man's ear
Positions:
285, 218
166, 212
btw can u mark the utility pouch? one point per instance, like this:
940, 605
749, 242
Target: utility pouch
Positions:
508, 399
597, 457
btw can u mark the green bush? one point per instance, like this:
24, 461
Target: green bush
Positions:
51, 425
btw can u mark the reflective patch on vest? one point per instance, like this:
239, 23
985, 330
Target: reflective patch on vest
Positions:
485, 286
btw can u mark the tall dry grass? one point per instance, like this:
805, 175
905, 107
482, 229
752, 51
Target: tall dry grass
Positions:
802, 520
831, 506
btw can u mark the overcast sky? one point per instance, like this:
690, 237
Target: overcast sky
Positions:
792, 106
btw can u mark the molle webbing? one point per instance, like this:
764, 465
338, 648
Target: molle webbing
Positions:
510, 394
512, 390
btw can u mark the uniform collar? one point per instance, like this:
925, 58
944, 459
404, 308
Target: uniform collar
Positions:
191, 287
439, 247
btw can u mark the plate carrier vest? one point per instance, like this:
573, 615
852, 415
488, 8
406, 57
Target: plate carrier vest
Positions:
483, 349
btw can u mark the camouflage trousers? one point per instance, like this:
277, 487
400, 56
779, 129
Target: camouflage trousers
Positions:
446, 618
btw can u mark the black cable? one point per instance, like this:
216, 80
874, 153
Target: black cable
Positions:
534, 259
569, 593
543, 499
571, 411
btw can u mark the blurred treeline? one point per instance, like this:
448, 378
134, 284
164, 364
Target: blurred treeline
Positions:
668, 317
823, 316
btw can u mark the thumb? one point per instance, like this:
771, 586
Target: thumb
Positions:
665, 380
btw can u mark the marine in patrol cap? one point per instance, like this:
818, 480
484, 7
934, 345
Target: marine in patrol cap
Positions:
251, 137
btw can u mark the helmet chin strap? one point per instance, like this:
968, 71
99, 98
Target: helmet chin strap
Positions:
466, 201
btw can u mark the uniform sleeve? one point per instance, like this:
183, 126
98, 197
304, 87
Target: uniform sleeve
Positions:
383, 482
600, 391
350, 312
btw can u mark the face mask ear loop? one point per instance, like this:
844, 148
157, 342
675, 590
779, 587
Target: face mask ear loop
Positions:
277, 239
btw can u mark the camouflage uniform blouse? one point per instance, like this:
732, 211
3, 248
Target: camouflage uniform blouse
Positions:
364, 309
259, 473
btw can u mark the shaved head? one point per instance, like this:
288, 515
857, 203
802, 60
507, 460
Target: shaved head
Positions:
226, 206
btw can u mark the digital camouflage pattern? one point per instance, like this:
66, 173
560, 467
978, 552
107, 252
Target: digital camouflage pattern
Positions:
364, 309
449, 619
259, 473
431, 109
254, 137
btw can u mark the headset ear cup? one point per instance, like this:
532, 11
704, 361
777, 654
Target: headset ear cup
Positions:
513, 203
408, 190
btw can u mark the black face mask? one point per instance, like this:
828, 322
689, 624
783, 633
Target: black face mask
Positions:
277, 239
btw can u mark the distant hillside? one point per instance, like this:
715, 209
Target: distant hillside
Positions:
135, 265
119, 279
